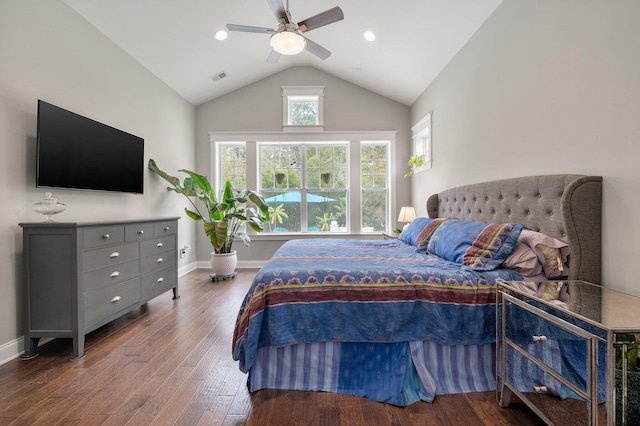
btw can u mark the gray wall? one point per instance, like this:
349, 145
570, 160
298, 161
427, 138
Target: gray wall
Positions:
544, 87
258, 108
49, 52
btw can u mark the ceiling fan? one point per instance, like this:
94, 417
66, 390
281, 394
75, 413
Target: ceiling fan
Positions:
288, 38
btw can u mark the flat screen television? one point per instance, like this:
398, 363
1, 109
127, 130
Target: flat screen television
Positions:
76, 152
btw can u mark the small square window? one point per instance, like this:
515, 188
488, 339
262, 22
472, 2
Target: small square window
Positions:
303, 111
302, 108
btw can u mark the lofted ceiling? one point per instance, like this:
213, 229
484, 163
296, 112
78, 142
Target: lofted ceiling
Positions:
174, 39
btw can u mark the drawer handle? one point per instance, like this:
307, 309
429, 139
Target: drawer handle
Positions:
106, 236
115, 299
539, 338
159, 245
539, 388
160, 260
114, 254
140, 232
166, 228
160, 280
115, 274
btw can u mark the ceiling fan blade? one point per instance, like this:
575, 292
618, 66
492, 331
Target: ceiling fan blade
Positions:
249, 29
316, 49
273, 57
321, 19
278, 10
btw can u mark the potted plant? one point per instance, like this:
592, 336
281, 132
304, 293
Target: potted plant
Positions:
415, 162
222, 219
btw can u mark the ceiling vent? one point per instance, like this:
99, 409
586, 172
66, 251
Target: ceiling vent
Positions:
217, 77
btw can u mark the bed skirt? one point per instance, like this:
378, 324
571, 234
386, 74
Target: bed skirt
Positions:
394, 373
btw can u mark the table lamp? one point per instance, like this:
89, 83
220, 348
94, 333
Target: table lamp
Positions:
407, 214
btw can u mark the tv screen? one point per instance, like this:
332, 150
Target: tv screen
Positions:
77, 152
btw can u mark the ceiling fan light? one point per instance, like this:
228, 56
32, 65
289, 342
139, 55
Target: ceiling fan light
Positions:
287, 43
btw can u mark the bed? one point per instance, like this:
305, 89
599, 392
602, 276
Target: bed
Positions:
399, 321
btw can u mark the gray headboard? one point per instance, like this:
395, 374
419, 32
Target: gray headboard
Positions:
566, 207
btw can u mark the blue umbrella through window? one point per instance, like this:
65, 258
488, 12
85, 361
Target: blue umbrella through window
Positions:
295, 198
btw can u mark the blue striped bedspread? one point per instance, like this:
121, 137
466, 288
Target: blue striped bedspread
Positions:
332, 290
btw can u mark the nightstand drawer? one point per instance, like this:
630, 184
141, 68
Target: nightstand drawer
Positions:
92, 259
548, 394
543, 339
106, 302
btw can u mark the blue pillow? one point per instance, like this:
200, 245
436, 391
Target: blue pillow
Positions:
410, 234
422, 241
477, 245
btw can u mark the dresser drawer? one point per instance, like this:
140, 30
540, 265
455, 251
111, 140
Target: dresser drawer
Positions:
97, 258
166, 228
138, 231
158, 245
151, 263
157, 282
101, 304
111, 275
99, 237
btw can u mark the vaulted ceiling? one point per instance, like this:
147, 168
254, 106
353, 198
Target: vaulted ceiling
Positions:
175, 40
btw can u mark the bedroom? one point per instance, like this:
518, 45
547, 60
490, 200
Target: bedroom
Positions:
555, 84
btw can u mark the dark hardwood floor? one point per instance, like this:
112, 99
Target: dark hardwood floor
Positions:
169, 362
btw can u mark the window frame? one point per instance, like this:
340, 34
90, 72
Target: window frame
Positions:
293, 92
354, 191
421, 142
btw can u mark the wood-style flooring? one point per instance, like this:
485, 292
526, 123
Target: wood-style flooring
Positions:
169, 362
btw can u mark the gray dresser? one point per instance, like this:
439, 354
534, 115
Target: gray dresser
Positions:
82, 275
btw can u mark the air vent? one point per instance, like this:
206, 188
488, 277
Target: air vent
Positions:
217, 77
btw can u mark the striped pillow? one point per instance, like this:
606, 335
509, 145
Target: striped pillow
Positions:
477, 245
422, 241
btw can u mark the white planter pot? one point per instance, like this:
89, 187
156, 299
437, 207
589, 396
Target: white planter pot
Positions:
224, 264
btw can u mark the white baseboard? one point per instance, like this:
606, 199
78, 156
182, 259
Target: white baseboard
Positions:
15, 348
11, 350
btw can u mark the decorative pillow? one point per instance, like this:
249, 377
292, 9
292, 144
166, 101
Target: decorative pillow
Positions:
478, 245
410, 234
422, 241
524, 260
551, 253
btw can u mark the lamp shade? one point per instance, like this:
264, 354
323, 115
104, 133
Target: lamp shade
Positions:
287, 43
407, 214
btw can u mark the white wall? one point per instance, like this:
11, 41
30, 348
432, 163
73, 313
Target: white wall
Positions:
545, 87
258, 108
49, 52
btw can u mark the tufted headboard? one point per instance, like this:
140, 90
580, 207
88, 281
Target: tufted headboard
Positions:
566, 207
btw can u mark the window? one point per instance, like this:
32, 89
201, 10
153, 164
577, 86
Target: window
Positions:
303, 110
232, 162
315, 182
302, 107
306, 186
422, 141
374, 167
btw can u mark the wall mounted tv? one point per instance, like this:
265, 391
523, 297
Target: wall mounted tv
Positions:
76, 152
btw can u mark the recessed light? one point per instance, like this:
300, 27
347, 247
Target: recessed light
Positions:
369, 35
221, 35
